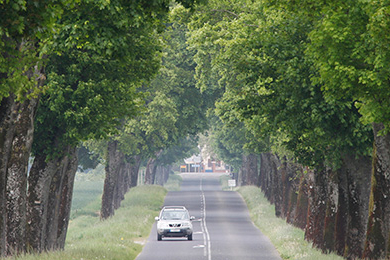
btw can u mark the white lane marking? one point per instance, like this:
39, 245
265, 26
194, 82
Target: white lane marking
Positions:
206, 234
198, 246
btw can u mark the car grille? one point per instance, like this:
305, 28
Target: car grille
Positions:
174, 225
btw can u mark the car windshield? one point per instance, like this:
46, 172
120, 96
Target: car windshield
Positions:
174, 215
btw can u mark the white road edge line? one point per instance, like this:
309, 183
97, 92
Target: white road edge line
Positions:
206, 234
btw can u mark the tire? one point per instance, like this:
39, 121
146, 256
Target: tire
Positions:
159, 237
189, 237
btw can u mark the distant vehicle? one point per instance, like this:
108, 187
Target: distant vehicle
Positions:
174, 221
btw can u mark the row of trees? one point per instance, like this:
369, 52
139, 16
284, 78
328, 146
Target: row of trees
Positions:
73, 71
166, 130
306, 82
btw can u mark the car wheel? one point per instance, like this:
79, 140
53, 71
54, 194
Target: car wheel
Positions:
159, 237
189, 237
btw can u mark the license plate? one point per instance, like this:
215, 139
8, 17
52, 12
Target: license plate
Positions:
175, 230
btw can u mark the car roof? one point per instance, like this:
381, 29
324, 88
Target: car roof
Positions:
174, 208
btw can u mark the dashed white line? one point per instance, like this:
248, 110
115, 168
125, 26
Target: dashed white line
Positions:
206, 235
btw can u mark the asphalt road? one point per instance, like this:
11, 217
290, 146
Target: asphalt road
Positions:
222, 226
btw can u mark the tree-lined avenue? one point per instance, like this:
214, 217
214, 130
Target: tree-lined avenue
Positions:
222, 226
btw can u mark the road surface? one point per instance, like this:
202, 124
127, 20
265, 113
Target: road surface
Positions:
222, 226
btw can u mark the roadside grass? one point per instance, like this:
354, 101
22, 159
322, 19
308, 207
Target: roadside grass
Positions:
120, 237
87, 192
288, 240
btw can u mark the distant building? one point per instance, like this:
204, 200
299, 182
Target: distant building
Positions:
198, 164
192, 164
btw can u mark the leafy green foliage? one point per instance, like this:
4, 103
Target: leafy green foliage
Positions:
350, 48
175, 110
104, 51
258, 52
25, 29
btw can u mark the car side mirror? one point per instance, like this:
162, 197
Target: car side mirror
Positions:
192, 218
157, 218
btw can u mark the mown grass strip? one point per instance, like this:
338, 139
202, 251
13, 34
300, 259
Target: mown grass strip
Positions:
288, 240
120, 237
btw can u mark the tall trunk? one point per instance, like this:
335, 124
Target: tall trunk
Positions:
317, 207
341, 225
300, 218
150, 171
59, 201
120, 185
293, 178
378, 230
358, 173
250, 171
7, 128
167, 171
114, 158
66, 199
134, 169
17, 176
331, 212
159, 176
268, 170
49, 200
16, 136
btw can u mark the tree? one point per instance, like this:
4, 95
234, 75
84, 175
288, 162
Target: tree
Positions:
25, 29
259, 53
351, 52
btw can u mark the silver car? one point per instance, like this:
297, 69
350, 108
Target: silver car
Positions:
174, 221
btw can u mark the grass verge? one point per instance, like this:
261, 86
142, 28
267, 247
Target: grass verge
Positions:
288, 240
120, 237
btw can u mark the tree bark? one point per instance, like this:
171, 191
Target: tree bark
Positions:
49, 200
300, 218
159, 176
134, 169
150, 171
268, 170
377, 245
358, 173
317, 207
331, 212
17, 176
7, 128
16, 136
114, 159
250, 173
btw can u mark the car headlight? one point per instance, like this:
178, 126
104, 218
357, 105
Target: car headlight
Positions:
162, 225
186, 224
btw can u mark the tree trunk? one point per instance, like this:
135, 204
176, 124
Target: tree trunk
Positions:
331, 212
7, 128
167, 171
134, 169
17, 176
300, 218
294, 175
159, 176
114, 159
16, 136
268, 170
341, 225
250, 173
150, 171
49, 200
378, 230
317, 207
358, 173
